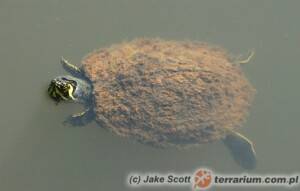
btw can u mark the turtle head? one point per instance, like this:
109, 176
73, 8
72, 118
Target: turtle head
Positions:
69, 89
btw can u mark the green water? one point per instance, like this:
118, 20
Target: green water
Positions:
38, 153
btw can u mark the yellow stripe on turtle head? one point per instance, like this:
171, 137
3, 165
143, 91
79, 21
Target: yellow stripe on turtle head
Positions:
70, 91
60, 94
50, 90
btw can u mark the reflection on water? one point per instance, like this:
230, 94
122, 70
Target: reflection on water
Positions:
39, 153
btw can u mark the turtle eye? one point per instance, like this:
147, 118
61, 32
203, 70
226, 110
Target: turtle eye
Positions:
69, 82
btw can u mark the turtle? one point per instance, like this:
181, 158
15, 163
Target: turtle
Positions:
162, 93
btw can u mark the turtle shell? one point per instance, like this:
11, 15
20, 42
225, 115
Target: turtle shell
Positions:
168, 93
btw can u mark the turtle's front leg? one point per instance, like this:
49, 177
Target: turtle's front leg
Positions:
75, 71
81, 119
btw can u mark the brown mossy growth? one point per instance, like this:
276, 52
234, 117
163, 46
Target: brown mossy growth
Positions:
168, 93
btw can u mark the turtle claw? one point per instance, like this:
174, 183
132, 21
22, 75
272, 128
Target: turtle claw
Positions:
79, 120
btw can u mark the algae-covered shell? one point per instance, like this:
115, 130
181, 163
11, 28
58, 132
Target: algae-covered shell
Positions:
168, 93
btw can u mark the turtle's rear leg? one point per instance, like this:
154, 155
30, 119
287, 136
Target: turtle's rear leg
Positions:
81, 119
242, 58
247, 57
241, 149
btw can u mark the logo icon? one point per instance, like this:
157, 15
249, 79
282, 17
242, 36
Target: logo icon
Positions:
202, 179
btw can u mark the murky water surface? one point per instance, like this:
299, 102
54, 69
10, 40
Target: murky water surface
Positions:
39, 153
